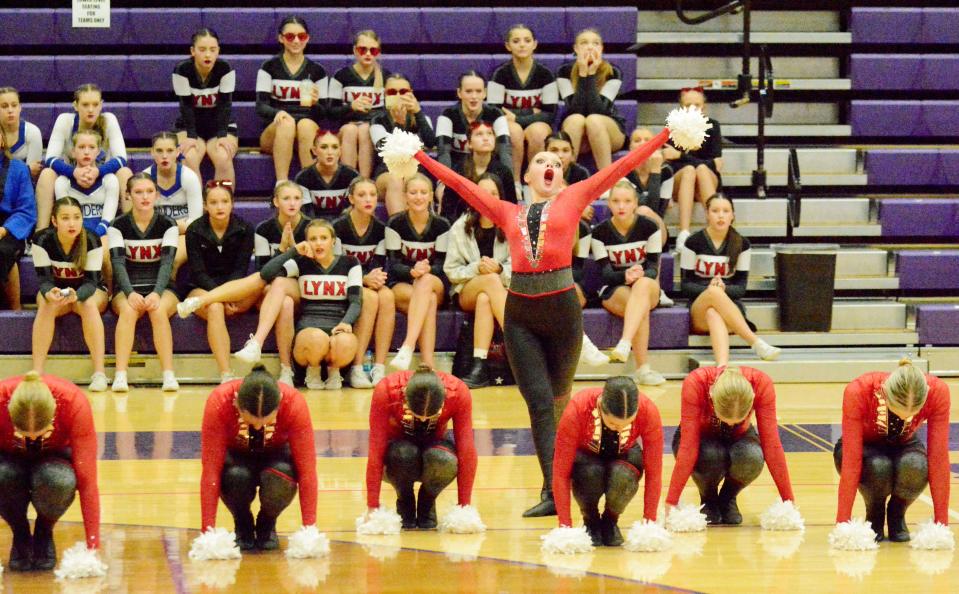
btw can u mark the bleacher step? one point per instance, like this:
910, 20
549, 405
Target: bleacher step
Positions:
789, 130
711, 82
825, 366
722, 37
822, 339
846, 315
753, 211
818, 113
762, 20
729, 67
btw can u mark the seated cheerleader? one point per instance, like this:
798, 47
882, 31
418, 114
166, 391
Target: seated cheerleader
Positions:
403, 112
716, 442
589, 87
362, 236
142, 246
23, 137
453, 126
48, 453
219, 245
560, 144
696, 173
18, 215
325, 182
626, 247
273, 237
478, 161
257, 436
880, 453
478, 267
330, 288
416, 242
715, 269
589, 354
181, 194
597, 454
68, 260
409, 415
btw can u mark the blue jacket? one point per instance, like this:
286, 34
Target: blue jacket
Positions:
18, 207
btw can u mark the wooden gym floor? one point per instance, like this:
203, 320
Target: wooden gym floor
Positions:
149, 475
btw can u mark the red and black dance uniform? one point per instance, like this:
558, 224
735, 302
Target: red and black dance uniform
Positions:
48, 471
541, 237
711, 450
237, 459
881, 454
405, 450
597, 461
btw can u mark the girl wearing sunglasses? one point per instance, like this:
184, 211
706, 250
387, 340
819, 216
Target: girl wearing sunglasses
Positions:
356, 95
290, 98
403, 112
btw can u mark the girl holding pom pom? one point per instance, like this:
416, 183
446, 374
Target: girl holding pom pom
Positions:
409, 415
48, 451
880, 454
257, 434
716, 442
597, 454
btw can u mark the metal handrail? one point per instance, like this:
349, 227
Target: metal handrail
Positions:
727, 9
793, 192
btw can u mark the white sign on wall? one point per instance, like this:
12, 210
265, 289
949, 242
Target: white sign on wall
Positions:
93, 14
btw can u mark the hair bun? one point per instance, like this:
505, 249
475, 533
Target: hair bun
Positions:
424, 368
258, 368
905, 361
32, 376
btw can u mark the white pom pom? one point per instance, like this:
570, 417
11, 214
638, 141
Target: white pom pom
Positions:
686, 517
397, 153
782, 515
854, 535
933, 536
307, 543
567, 541
379, 521
647, 537
80, 562
687, 127
462, 519
214, 544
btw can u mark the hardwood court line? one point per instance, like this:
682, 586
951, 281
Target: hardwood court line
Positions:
826, 443
928, 500
816, 444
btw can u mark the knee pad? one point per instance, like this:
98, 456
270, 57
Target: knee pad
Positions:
912, 475
53, 485
745, 461
439, 468
277, 488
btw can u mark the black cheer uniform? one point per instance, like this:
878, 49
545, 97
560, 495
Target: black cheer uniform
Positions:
615, 253
329, 296
206, 109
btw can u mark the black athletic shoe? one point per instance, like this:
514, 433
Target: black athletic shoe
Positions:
896, 519
478, 377
426, 512
545, 507
406, 508
21, 554
711, 509
730, 512
612, 537
44, 549
266, 538
876, 516
243, 527
594, 530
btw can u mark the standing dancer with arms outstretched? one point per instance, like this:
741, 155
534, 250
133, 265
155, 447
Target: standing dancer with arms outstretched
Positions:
543, 323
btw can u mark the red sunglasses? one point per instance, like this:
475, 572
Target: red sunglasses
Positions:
362, 49
392, 92
291, 37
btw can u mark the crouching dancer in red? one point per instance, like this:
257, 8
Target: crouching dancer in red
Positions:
408, 419
48, 452
598, 454
880, 453
257, 434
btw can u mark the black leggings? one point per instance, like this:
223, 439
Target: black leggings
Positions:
889, 470
543, 337
434, 465
738, 461
48, 481
11, 249
272, 472
617, 477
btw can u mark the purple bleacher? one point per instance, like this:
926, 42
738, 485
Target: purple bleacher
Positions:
669, 328
912, 167
919, 218
904, 118
938, 324
912, 72
904, 25
928, 269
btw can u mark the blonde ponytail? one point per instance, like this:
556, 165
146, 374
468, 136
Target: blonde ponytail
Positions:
906, 387
32, 406
732, 395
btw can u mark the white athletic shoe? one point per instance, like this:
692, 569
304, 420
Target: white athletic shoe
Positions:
358, 377
250, 353
664, 300
120, 382
334, 381
378, 373
169, 382
313, 379
591, 355
186, 307
98, 382
766, 351
646, 376
620, 353
286, 375
226, 376
681, 240
402, 359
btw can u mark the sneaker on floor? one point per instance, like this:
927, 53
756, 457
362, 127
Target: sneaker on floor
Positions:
649, 377
98, 382
169, 382
250, 353
378, 373
681, 240
591, 355
226, 376
358, 378
334, 381
403, 359
313, 379
120, 382
664, 300
620, 353
766, 351
286, 375
186, 307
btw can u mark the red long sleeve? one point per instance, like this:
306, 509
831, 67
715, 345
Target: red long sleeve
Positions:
496, 210
765, 407
465, 448
695, 391
652, 436
568, 437
379, 440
